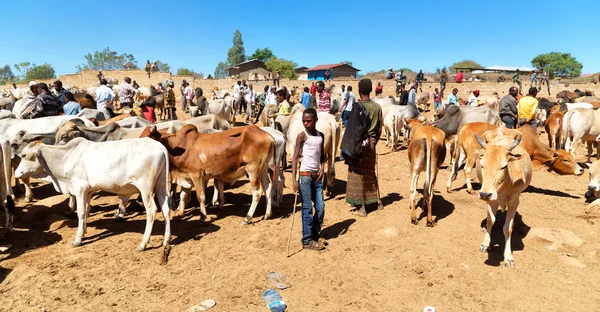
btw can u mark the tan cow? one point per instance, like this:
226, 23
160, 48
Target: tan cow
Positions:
541, 155
593, 187
505, 171
426, 152
225, 156
553, 126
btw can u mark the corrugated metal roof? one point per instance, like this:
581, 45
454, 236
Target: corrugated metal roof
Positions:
511, 68
330, 66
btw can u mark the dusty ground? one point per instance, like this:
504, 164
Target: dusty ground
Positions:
378, 263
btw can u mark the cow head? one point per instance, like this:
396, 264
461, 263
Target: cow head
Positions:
563, 163
594, 185
21, 140
30, 165
67, 133
494, 160
410, 125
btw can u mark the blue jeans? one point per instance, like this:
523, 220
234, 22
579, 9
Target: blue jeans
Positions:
345, 116
508, 121
311, 191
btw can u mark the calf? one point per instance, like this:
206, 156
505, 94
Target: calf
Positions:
225, 156
553, 126
82, 168
504, 170
426, 152
392, 124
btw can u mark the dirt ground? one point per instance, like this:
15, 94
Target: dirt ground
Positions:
378, 263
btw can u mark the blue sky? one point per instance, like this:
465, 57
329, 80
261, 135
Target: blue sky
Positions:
373, 35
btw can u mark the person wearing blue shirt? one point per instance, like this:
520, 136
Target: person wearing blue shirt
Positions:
59, 91
389, 74
452, 99
305, 97
71, 107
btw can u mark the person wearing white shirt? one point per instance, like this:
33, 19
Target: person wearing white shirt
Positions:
250, 98
104, 95
271, 97
473, 100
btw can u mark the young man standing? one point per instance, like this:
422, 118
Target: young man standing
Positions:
309, 145
347, 106
250, 99
420, 77
189, 96
305, 99
324, 100
452, 98
261, 101
104, 96
362, 187
412, 95
126, 93
437, 100
517, 80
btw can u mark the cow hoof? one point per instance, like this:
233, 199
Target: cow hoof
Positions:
140, 248
206, 220
328, 194
448, 190
483, 248
509, 264
28, 199
268, 216
119, 219
245, 222
414, 221
430, 223
75, 244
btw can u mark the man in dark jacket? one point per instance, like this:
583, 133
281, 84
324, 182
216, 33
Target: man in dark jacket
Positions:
403, 95
508, 108
45, 103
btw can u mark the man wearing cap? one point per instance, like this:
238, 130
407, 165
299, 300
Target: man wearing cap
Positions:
473, 98
527, 109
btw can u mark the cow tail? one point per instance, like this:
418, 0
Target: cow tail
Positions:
428, 152
275, 166
331, 175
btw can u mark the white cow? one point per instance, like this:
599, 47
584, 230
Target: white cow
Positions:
222, 107
82, 168
6, 193
581, 124
10, 128
279, 162
393, 123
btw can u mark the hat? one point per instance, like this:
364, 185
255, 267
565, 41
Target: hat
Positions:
476, 92
390, 68
32, 83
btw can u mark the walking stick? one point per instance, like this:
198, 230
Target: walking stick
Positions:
291, 227
380, 206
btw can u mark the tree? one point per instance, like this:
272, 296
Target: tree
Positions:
108, 60
22, 68
558, 64
264, 55
44, 71
185, 72
236, 54
347, 62
222, 70
163, 67
464, 64
283, 66
6, 74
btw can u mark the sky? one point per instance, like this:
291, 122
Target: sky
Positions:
372, 35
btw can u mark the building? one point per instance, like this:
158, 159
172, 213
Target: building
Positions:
341, 71
243, 70
301, 72
501, 69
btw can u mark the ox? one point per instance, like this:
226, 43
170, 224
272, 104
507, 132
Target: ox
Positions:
225, 156
504, 170
222, 107
393, 123
553, 127
82, 168
426, 152
581, 124
541, 155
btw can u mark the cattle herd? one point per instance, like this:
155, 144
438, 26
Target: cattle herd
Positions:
126, 155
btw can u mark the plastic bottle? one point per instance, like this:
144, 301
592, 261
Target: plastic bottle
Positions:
273, 300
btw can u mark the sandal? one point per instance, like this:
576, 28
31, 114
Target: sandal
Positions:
313, 246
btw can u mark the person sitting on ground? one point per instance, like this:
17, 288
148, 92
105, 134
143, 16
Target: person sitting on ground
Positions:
473, 99
507, 108
71, 107
527, 109
378, 89
309, 146
460, 76
389, 74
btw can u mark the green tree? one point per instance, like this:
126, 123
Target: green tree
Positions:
558, 64
464, 64
185, 72
44, 71
236, 54
22, 68
108, 60
6, 74
163, 67
283, 66
222, 70
264, 55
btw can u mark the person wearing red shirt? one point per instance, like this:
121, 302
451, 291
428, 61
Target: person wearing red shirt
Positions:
378, 89
313, 89
459, 76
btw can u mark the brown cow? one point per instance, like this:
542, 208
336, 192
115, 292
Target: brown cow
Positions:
540, 154
553, 126
224, 156
426, 152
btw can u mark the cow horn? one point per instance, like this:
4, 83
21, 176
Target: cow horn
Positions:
515, 142
480, 141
